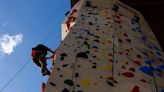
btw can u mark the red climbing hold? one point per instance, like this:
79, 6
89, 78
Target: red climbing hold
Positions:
120, 53
128, 74
110, 54
137, 62
143, 80
135, 89
132, 69
139, 56
127, 50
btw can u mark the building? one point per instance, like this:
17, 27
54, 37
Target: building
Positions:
106, 47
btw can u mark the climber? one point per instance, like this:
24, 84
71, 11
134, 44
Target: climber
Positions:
39, 57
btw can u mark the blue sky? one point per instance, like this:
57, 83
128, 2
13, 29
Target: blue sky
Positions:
23, 25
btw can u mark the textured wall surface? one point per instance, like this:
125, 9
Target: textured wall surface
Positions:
106, 47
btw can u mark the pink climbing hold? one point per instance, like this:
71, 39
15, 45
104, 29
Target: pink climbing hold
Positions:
135, 89
128, 74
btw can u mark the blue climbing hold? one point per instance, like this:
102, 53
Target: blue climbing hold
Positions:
156, 48
158, 74
145, 53
153, 60
161, 67
143, 38
148, 62
95, 47
162, 90
147, 70
158, 69
159, 54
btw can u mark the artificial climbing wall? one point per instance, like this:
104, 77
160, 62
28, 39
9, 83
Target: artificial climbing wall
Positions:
108, 48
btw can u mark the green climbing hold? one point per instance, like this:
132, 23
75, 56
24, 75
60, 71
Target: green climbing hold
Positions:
68, 82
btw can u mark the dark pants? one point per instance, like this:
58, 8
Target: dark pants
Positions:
40, 60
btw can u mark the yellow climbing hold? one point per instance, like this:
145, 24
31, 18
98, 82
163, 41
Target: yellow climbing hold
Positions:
85, 83
107, 67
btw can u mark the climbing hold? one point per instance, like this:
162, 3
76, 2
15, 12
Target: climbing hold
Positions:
97, 40
135, 20
62, 58
95, 47
125, 34
135, 89
94, 56
161, 67
107, 67
128, 74
82, 55
144, 38
119, 40
63, 54
61, 75
88, 4
143, 80
128, 40
123, 67
65, 65
162, 90
109, 83
148, 62
115, 7
120, 53
85, 83
110, 54
58, 69
79, 91
52, 84
65, 90
76, 75
90, 23
147, 70
137, 62
159, 54
145, 53
160, 59
69, 82
132, 69
158, 74
139, 56
94, 67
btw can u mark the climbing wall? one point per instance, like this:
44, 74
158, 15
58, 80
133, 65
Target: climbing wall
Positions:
106, 47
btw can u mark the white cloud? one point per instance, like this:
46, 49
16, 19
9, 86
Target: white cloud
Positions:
8, 43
